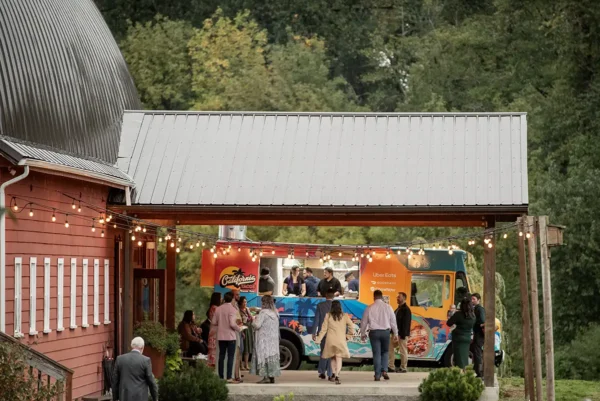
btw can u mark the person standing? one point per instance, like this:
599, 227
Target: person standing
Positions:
329, 282
248, 333
266, 285
294, 284
337, 326
311, 283
352, 281
478, 334
225, 320
463, 320
323, 309
132, 375
379, 318
265, 361
215, 302
403, 321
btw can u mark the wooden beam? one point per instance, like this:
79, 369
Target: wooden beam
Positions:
525, 314
170, 287
547, 302
535, 308
489, 301
127, 294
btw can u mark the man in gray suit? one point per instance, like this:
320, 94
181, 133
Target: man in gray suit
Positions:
132, 375
323, 308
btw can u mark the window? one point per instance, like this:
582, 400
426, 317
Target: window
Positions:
461, 288
32, 295
73, 323
18, 296
47, 296
428, 290
60, 289
84, 295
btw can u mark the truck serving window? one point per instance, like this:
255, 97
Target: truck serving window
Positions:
427, 290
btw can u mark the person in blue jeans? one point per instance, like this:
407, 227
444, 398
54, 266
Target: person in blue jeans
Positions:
323, 308
379, 319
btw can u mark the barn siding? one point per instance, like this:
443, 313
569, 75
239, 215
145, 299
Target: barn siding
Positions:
80, 349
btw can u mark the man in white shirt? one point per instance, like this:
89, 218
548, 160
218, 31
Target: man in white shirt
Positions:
379, 318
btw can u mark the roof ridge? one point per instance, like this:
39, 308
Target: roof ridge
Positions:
327, 113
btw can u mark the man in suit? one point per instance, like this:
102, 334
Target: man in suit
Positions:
478, 337
403, 321
132, 375
323, 308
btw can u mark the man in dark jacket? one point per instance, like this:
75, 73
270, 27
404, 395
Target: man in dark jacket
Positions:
478, 338
132, 375
323, 308
403, 320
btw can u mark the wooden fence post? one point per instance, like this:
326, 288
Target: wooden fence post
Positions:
531, 231
526, 314
547, 298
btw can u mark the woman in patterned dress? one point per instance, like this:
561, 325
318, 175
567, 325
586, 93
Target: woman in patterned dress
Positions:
215, 302
265, 360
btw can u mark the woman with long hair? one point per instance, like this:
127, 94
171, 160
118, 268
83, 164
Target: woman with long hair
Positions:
248, 334
294, 284
265, 360
189, 336
463, 320
215, 302
338, 328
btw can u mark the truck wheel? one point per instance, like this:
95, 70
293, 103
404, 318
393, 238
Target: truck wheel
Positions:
289, 357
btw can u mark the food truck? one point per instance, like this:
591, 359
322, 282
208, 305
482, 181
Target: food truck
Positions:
433, 279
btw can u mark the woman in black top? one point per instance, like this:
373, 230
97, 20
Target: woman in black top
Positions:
464, 320
294, 284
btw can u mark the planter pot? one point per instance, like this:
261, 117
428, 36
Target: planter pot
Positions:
158, 361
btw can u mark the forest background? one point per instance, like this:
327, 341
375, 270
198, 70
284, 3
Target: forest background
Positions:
536, 56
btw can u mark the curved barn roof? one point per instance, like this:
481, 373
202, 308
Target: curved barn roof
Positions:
63, 81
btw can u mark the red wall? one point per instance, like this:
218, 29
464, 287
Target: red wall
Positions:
80, 349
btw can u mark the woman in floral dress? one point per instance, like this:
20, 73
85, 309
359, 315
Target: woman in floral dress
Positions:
265, 360
215, 302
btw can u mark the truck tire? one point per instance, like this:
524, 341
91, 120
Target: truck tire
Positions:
289, 356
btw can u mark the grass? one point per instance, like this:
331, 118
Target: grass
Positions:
512, 389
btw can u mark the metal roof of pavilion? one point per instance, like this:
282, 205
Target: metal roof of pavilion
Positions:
24, 153
325, 159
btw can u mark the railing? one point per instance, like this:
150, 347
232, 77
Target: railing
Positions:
47, 370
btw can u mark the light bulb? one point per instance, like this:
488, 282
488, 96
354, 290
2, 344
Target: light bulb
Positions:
215, 255
177, 250
110, 216
528, 235
505, 236
520, 233
172, 245
79, 207
101, 221
229, 247
102, 234
139, 243
340, 254
450, 252
15, 207
159, 239
138, 228
307, 255
399, 252
53, 217
203, 243
144, 229
410, 255
67, 221
133, 237
115, 225
192, 246
73, 205
273, 252
239, 249
30, 212
490, 245
93, 228
260, 253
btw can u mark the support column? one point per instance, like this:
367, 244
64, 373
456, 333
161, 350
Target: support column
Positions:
489, 301
526, 315
547, 297
535, 307
171, 280
127, 294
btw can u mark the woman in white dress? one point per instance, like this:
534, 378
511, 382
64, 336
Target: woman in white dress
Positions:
265, 360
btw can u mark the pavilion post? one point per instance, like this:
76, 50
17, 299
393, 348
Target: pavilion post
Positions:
526, 315
535, 308
127, 326
489, 294
547, 303
171, 279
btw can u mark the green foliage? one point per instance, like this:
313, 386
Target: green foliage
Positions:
174, 362
580, 359
157, 55
449, 384
193, 383
283, 397
16, 381
513, 389
156, 336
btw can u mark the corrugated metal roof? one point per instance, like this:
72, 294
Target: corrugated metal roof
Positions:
63, 80
19, 151
317, 159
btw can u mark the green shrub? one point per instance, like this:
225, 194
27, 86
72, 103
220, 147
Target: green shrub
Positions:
193, 383
450, 384
283, 397
580, 359
156, 336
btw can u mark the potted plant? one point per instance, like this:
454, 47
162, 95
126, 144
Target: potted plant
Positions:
159, 344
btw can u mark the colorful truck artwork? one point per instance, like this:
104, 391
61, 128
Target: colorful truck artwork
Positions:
433, 280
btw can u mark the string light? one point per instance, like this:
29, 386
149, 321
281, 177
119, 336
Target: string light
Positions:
399, 252
159, 239
132, 237
115, 225
179, 239
67, 221
273, 252
203, 244
387, 255
15, 207
505, 236
73, 205
177, 250
490, 245
339, 254
53, 216
79, 208
102, 234
144, 229
172, 245
93, 228
520, 233
139, 243
528, 235
101, 221
192, 246
239, 249
260, 253
30, 212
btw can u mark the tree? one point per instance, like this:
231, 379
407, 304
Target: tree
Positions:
157, 55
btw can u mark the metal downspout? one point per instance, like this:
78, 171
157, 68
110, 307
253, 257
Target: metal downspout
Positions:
3, 246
